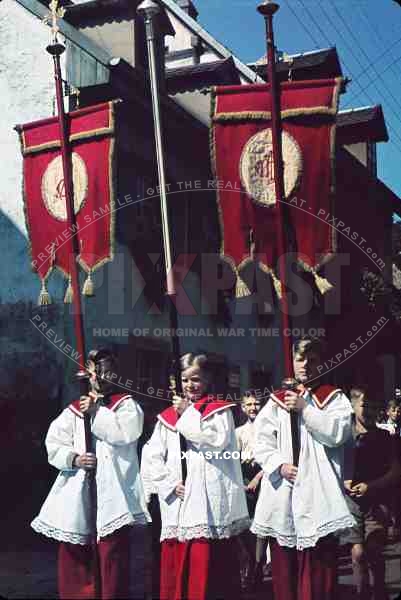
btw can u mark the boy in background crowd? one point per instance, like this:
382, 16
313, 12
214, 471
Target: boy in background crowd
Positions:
369, 474
255, 547
392, 420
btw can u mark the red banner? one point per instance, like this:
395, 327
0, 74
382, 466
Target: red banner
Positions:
242, 154
91, 135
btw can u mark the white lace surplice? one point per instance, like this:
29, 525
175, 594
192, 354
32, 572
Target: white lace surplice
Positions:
214, 505
163, 458
299, 515
120, 496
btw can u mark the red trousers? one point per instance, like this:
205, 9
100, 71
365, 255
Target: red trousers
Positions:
75, 568
309, 574
207, 570
169, 557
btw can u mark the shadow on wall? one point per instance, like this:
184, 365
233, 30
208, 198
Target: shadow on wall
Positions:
18, 280
31, 372
30, 397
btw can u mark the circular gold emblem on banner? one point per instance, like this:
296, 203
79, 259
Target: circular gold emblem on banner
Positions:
53, 188
257, 166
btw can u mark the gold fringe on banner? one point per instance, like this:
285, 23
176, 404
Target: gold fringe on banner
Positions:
68, 292
241, 288
276, 281
322, 284
44, 298
88, 287
277, 284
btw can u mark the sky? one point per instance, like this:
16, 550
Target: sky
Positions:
367, 34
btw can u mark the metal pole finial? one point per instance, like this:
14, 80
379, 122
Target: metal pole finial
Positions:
148, 9
268, 8
55, 49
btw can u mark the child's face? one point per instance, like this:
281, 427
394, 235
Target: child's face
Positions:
105, 376
394, 413
251, 407
194, 383
306, 366
365, 412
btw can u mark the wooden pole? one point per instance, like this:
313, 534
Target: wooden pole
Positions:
268, 9
56, 49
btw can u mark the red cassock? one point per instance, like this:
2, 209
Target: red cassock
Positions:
310, 574
75, 573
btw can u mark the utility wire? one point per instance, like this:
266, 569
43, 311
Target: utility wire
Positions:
377, 73
324, 35
379, 38
365, 87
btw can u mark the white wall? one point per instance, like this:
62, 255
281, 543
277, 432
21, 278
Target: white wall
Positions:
182, 41
360, 151
26, 83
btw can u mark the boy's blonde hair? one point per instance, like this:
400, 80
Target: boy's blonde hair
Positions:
195, 360
357, 391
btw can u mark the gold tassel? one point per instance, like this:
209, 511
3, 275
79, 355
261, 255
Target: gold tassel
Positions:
277, 284
322, 284
44, 296
89, 287
68, 292
241, 288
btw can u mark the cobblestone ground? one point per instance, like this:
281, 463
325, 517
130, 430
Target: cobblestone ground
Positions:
29, 570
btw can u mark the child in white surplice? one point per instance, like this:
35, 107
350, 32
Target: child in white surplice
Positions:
204, 512
116, 424
302, 509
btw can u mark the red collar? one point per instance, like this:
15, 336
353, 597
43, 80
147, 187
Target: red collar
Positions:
321, 395
169, 418
115, 401
208, 406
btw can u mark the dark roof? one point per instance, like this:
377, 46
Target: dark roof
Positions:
310, 65
362, 125
203, 75
95, 11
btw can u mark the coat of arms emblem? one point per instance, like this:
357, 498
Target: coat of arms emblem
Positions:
53, 188
257, 167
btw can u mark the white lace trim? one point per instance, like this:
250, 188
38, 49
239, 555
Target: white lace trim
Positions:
290, 541
58, 534
213, 531
169, 533
84, 539
127, 519
336, 526
303, 542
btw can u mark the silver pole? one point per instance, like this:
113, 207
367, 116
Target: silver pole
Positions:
148, 10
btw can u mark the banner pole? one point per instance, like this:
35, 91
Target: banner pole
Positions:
268, 9
56, 49
148, 10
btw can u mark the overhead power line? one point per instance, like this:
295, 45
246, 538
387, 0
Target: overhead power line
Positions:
329, 42
364, 53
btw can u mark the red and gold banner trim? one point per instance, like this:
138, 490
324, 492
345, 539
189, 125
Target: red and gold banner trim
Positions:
106, 126
326, 110
94, 194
